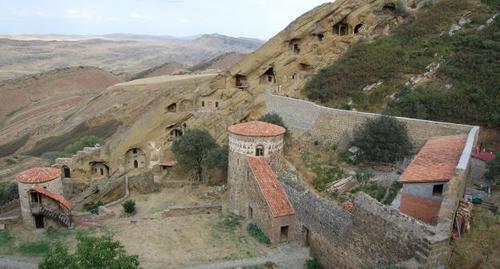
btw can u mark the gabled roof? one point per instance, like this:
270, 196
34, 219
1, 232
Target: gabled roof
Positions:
270, 187
436, 161
54, 196
257, 128
38, 175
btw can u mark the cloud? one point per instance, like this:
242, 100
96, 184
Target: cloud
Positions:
139, 17
80, 14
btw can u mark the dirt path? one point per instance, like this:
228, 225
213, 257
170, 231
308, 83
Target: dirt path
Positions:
285, 256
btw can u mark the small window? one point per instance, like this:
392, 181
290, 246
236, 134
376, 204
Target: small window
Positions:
250, 212
102, 172
284, 234
216, 104
203, 103
259, 151
437, 190
321, 37
134, 151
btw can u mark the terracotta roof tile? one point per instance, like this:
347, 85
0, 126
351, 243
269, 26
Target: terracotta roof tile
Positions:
54, 196
38, 175
256, 128
436, 161
423, 209
270, 187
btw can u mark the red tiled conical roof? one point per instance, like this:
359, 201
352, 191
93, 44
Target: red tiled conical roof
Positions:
257, 128
54, 196
38, 175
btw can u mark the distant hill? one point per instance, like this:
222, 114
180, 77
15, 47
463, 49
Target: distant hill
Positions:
160, 70
222, 62
122, 54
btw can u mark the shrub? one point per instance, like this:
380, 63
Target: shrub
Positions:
362, 175
8, 192
393, 192
93, 207
91, 252
218, 158
313, 264
382, 139
129, 206
255, 231
493, 166
5, 238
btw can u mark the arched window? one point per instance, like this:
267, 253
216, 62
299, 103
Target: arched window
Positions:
203, 103
102, 172
259, 150
136, 164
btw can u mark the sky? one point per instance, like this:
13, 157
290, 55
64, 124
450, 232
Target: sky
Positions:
181, 18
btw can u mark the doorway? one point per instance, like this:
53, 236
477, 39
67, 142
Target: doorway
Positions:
284, 234
250, 212
136, 164
67, 172
307, 236
39, 221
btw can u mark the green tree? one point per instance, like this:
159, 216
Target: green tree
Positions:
383, 139
218, 158
493, 166
192, 150
91, 252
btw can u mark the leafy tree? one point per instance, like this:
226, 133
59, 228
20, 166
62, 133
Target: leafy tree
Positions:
91, 252
383, 139
218, 158
493, 166
8, 192
192, 150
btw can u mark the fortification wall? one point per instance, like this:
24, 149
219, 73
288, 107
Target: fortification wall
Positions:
369, 235
336, 126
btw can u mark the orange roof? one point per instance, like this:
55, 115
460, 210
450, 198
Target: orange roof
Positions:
423, 209
256, 128
436, 161
54, 196
270, 187
38, 175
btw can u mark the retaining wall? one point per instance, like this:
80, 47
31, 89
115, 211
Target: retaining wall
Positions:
336, 126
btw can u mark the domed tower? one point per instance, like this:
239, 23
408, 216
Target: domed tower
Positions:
250, 139
41, 197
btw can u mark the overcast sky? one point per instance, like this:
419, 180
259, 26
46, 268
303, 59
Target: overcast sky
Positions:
250, 18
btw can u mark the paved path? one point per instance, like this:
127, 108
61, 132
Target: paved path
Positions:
285, 256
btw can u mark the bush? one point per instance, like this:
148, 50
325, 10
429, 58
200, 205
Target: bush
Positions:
8, 192
129, 207
493, 166
313, 264
218, 158
255, 231
93, 207
91, 252
382, 139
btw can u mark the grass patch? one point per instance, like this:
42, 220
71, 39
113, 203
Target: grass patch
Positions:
326, 175
5, 238
255, 231
313, 264
479, 247
59, 143
393, 192
40, 248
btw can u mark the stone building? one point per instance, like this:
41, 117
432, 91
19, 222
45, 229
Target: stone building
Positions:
255, 152
41, 197
425, 180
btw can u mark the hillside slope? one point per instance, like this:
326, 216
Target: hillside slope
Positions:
442, 64
34, 105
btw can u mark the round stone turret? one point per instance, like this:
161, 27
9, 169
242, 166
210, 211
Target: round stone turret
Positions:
256, 139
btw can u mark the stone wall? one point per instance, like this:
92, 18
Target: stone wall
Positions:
370, 235
335, 126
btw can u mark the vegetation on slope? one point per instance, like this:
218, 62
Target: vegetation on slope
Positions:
469, 64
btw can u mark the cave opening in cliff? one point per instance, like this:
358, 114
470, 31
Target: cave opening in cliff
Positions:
268, 76
240, 81
341, 29
358, 28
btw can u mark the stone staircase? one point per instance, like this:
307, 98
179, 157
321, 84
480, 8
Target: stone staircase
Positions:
58, 216
97, 189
